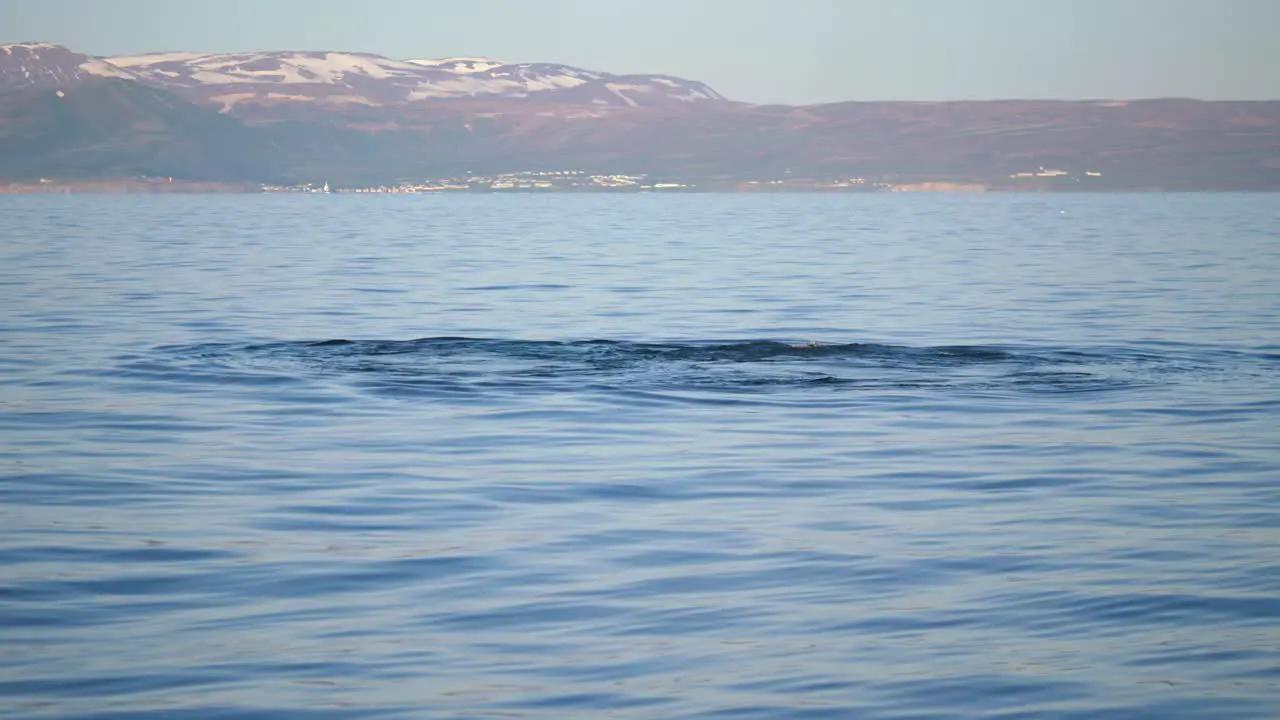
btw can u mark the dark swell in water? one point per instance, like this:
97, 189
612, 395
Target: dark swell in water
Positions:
461, 365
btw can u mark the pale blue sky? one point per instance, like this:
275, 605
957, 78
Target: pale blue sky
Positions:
786, 51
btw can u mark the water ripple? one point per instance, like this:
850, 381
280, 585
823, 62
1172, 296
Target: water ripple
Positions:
471, 368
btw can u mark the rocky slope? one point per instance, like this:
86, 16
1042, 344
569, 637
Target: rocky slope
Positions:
112, 127
41, 64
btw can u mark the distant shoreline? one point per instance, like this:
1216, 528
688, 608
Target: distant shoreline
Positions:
128, 186
150, 186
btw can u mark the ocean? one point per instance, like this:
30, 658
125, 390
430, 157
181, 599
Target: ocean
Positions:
640, 456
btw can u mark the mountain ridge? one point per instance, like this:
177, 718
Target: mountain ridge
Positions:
353, 118
345, 77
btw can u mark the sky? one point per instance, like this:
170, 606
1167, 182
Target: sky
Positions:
762, 51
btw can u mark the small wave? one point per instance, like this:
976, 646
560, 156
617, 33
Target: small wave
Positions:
453, 366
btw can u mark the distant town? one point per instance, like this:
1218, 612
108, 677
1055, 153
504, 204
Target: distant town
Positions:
1040, 179
543, 180
582, 181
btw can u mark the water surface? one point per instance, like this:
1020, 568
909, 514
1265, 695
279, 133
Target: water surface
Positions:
786, 456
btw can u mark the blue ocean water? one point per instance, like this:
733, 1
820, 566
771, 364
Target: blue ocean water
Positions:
640, 456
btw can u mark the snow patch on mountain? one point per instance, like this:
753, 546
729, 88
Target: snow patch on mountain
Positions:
218, 78
460, 65
621, 90
102, 68
28, 46
229, 100
291, 68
